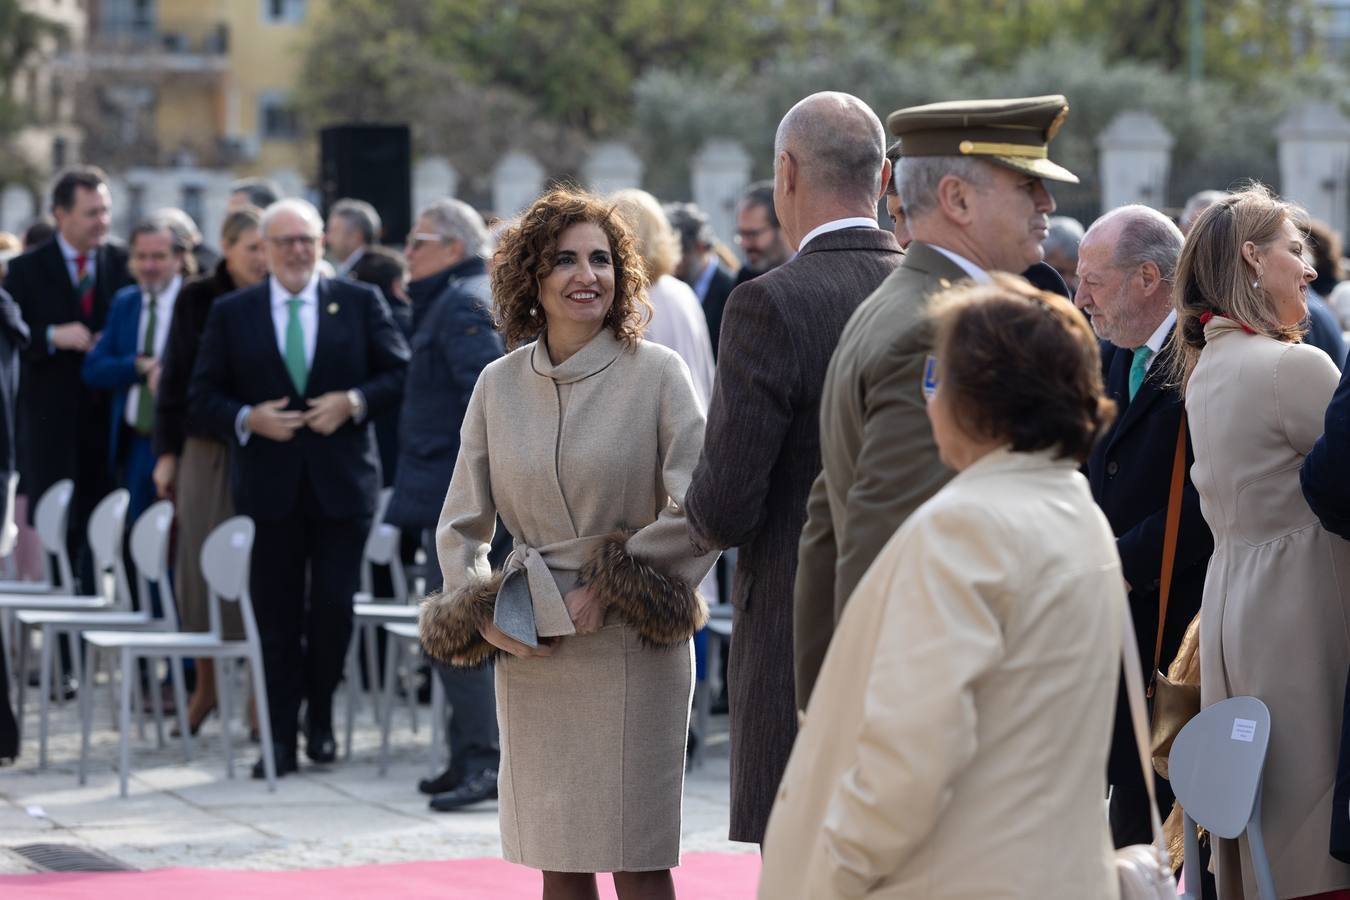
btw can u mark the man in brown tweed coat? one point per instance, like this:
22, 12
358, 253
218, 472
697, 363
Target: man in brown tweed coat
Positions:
762, 449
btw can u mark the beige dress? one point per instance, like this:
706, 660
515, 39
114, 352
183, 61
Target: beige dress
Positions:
202, 502
592, 736
1273, 621
955, 745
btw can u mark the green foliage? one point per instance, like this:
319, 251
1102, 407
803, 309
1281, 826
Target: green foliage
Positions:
21, 35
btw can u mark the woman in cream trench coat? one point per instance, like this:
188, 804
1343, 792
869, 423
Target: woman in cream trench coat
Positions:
585, 455
1275, 617
955, 744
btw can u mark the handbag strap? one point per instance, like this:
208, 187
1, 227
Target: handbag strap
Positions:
1139, 719
1169, 554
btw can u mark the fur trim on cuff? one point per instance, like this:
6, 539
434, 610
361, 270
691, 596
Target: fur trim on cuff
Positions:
449, 622
663, 610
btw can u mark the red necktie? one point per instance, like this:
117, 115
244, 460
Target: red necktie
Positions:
84, 286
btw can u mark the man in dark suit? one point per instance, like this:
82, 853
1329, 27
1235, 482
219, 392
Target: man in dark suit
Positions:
125, 361
970, 211
762, 448
290, 371
1125, 266
699, 266
64, 288
759, 232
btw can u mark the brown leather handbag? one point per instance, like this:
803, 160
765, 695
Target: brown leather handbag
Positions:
1174, 702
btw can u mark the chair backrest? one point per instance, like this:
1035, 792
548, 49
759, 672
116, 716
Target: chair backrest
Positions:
51, 518
107, 526
226, 554
150, 556
1216, 762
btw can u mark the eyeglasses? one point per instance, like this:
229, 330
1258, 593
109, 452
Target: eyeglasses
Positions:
418, 238
294, 241
753, 234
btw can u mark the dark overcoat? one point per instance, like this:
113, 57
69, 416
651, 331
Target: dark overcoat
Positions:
760, 456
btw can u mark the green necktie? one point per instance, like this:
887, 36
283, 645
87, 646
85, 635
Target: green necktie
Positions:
295, 347
1139, 368
145, 402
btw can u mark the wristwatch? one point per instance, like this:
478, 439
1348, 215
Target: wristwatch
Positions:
357, 404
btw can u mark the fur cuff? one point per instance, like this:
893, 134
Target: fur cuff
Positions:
664, 611
449, 623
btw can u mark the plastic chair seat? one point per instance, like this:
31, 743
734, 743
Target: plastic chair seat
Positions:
406, 630
162, 641
53, 601
384, 612
94, 618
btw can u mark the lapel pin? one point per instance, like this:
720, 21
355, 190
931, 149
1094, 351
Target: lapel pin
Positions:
332, 309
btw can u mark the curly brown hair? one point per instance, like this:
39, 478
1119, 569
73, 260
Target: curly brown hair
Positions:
525, 254
1021, 366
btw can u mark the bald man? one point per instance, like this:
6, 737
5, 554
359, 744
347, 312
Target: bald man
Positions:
762, 449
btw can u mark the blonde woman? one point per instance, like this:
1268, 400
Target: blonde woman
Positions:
677, 318
1273, 620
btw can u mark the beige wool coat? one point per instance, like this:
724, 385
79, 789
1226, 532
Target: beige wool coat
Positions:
955, 745
1274, 618
587, 463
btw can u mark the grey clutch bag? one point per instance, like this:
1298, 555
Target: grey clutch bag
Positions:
514, 614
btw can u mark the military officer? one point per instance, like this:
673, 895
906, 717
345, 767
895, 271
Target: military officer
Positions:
972, 176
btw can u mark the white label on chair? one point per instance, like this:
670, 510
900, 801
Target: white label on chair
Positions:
36, 812
239, 540
1244, 730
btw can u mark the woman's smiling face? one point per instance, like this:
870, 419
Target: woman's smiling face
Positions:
580, 288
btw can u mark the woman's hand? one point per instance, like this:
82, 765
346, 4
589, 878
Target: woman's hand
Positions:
587, 613
503, 641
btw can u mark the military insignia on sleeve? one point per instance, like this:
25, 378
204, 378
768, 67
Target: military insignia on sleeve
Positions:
930, 380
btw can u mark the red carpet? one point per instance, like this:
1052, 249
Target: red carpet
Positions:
703, 876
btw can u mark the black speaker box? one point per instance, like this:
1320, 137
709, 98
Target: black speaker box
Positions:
371, 163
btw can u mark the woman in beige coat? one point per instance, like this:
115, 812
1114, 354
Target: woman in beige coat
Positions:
1273, 621
955, 744
582, 440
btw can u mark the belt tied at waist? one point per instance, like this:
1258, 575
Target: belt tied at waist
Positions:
529, 605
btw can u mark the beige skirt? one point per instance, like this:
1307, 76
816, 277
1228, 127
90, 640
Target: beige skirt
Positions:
593, 743
203, 502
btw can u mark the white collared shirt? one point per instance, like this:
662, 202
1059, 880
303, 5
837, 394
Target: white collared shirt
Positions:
309, 314
836, 225
1159, 337
70, 254
977, 275
705, 278
345, 267
164, 302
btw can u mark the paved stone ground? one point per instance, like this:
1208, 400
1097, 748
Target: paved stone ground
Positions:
190, 814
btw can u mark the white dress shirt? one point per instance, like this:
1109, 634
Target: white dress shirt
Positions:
705, 278
164, 302
1155, 343
836, 225
281, 317
977, 275
70, 254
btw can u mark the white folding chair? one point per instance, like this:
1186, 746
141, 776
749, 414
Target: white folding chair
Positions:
150, 558
225, 557
404, 636
1215, 769
107, 524
50, 517
370, 612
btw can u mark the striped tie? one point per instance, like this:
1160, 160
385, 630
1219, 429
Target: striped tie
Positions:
84, 286
145, 401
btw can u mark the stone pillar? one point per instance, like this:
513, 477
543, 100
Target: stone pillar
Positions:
433, 178
1135, 153
16, 208
612, 166
720, 173
1314, 159
516, 181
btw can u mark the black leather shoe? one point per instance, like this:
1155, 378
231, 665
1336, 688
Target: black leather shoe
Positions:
286, 763
474, 789
320, 746
443, 783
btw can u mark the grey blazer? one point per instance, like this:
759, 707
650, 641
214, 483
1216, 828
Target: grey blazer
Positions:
760, 456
